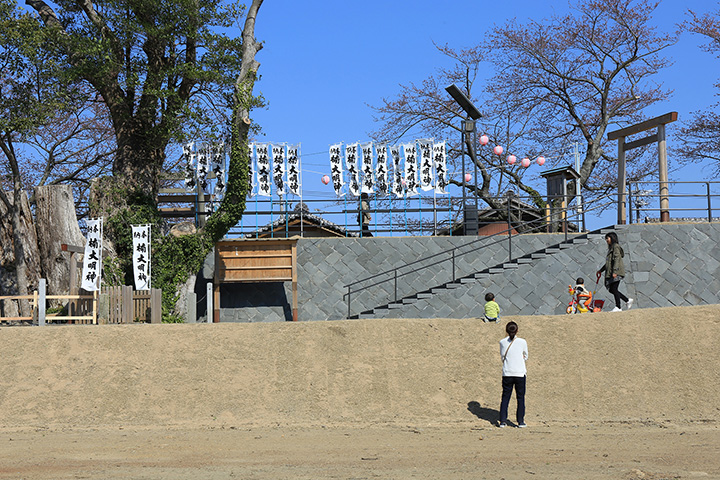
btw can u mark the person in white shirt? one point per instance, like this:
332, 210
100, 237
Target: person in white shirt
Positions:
513, 353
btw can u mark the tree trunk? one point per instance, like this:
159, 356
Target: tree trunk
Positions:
19, 258
56, 223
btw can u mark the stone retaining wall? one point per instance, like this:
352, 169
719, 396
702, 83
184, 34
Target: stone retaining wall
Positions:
667, 265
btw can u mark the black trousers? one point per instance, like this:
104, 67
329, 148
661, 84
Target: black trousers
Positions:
613, 288
519, 384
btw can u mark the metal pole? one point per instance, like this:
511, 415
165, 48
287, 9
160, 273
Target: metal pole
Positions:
621, 182
707, 186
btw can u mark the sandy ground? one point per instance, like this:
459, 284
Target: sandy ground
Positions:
629, 396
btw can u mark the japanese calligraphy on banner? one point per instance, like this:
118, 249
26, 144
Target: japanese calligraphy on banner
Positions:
351, 161
203, 167
189, 158
278, 153
336, 168
92, 259
141, 256
263, 169
440, 167
218, 168
381, 170
411, 172
293, 172
426, 165
367, 168
252, 181
398, 187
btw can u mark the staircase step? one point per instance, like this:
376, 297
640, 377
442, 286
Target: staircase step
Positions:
510, 266
524, 260
580, 241
538, 255
395, 306
439, 290
409, 300
424, 295
566, 245
467, 280
452, 285
481, 275
497, 270
552, 250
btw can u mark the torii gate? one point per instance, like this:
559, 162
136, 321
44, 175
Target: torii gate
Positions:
623, 147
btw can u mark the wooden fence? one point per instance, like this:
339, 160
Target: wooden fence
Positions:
114, 305
125, 305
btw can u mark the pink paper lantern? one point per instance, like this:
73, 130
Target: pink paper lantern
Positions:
468, 177
511, 159
540, 161
525, 162
498, 150
484, 140
325, 179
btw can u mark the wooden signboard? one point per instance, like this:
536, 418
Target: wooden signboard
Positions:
256, 260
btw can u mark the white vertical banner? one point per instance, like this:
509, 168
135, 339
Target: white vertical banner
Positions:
397, 187
203, 166
189, 158
278, 154
336, 169
411, 173
263, 169
381, 170
218, 168
368, 184
440, 167
426, 165
351, 162
141, 256
253, 174
92, 259
293, 172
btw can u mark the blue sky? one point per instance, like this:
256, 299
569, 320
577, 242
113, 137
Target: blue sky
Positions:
323, 62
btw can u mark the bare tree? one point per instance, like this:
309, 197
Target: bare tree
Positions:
700, 137
574, 76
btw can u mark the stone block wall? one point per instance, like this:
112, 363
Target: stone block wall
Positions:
667, 264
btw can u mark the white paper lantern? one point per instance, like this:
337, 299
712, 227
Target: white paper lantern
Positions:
511, 159
540, 161
498, 150
484, 140
525, 162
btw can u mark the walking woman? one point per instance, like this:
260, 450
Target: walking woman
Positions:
614, 269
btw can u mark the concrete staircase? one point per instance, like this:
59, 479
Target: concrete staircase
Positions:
499, 269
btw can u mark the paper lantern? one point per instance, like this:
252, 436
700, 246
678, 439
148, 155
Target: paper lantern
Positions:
511, 159
498, 150
326, 179
525, 162
484, 140
540, 161
468, 177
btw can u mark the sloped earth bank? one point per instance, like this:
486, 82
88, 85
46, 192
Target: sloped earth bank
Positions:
632, 395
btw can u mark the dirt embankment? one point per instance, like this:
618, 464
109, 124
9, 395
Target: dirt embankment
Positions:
645, 364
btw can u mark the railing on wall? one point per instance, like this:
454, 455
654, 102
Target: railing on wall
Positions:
688, 201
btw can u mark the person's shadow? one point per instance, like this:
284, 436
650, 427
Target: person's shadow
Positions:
490, 415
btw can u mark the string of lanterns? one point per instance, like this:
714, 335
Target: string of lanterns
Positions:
511, 159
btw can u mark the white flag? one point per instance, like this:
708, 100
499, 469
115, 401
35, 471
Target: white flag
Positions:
426, 165
440, 167
141, 256
253, 178
293, 172
398, 184
351, 162
411, 172
92, 259
381, 170
367, 168
189, 159
203, 167
278, 153
336, 170
263, 169
218, 168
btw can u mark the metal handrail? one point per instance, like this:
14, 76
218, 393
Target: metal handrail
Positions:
707, 195
507, 234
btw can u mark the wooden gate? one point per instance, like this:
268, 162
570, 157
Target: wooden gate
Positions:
126, 305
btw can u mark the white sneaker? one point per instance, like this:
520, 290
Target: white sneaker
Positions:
629, 303
616, 309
